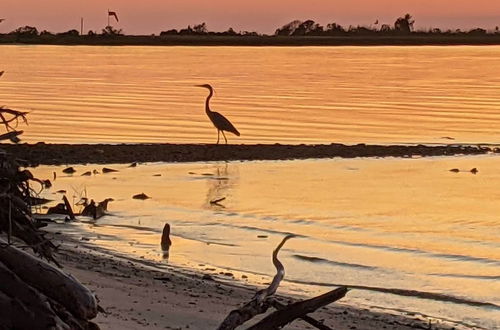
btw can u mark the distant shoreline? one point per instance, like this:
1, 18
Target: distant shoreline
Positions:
59, 154
189, 40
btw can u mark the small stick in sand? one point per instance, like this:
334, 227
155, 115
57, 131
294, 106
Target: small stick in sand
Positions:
217, 201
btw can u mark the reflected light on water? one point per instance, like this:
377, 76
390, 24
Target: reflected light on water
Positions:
271, 94
388, 223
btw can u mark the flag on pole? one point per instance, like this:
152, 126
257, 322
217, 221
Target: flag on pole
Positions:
376, 22
113, 13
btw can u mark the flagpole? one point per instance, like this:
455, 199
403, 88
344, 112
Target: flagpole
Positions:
108, 16
81, 26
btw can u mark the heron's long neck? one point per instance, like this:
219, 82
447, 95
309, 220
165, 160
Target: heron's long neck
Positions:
207, 102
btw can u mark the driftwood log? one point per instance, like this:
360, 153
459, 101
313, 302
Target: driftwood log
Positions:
287, 314
50, 280
12, 136
264, 299
34, 294
40, 294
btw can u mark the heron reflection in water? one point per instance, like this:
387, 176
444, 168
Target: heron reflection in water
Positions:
220, 122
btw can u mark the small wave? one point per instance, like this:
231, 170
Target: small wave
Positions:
139, 228
269, 231
408, 293
331, 262
466, 276
455, 257
154, 230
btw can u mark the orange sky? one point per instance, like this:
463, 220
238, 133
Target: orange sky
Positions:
153, 16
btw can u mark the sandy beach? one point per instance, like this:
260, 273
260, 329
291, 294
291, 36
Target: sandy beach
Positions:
135, 295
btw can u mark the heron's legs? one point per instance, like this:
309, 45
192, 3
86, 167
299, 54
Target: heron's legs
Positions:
224, 135
218, 136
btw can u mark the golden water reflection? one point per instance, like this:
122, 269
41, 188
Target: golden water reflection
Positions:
391, 223
271, 94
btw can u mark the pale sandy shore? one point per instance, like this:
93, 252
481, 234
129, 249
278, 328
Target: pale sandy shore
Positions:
137, 295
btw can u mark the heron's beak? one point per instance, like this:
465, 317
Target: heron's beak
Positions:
199, 86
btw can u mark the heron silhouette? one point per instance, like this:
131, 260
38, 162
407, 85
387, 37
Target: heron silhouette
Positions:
220, 122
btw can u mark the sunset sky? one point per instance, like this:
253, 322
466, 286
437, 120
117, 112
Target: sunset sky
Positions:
153, 16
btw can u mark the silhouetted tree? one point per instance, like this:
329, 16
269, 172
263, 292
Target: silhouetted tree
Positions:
250, 33
110, 31
200, 28
404, 24
362, 30
308, 27
46, 33
477, 32
72, 33
288, 29
188, 30
230, 32
385, 28
171, 32
334, 28
26, 31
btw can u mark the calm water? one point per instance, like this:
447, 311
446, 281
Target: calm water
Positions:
384, 223
392, 223
271, 94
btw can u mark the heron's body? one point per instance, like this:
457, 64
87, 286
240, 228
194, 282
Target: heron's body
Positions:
220, 122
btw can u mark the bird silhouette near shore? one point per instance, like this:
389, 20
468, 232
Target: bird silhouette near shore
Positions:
220, 122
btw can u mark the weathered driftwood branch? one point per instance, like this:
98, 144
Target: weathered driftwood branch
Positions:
282, 317
96, 211
239, 316
259, 303
68, 208
317, 324
20, 298
285, 314
217, 201
13, 136
7, 116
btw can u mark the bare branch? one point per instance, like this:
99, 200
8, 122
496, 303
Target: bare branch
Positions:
280, 273
315, 323
280, 318
15, 116
260, 302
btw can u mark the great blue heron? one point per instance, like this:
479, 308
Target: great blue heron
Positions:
220, 122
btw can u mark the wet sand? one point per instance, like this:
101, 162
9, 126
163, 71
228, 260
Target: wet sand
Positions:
136, 294
59, 154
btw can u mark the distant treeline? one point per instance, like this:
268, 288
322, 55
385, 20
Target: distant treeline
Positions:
294, 33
